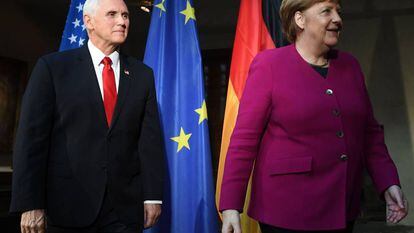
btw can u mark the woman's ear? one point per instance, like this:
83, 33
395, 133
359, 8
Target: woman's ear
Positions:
300, 19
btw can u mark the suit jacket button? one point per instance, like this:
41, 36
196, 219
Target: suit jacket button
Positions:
344, 157
329, 92
340, 134
336, 112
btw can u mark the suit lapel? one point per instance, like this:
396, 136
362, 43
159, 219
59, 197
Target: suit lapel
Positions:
124, 84
94, 92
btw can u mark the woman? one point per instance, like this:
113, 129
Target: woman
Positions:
306, 124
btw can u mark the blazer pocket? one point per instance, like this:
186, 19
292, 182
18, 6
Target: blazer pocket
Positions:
290, 165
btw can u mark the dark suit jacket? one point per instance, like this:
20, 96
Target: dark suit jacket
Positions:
66, 156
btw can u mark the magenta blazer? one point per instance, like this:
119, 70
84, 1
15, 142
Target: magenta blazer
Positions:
308, 139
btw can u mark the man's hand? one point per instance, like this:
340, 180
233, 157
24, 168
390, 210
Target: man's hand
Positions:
231, 222
151, 214
397, 205
33, 221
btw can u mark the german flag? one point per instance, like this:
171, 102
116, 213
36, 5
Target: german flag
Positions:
258, 28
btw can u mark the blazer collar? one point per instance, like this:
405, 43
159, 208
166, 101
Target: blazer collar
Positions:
332, 54
87, 70
125, 77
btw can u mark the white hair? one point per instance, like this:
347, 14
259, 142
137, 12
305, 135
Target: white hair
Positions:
90, 7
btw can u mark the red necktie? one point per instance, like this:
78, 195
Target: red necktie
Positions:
109, 89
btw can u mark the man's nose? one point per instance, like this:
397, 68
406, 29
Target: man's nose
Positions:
121, 20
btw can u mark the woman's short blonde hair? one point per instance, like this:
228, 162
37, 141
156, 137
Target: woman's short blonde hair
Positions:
288, 8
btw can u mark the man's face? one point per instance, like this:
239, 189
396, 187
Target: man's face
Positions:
109, 24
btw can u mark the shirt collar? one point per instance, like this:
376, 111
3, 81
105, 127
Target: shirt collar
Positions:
97, 55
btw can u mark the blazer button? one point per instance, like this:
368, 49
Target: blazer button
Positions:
336, 112
340, 134
329, 92
344, 157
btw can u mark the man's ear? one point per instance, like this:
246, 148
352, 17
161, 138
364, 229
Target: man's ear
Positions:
88, 21
300, 19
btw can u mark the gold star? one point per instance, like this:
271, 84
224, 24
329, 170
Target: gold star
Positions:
202, 112
161, 6
188, 12
182, 140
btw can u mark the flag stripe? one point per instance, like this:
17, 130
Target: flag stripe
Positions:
252, 36
271, 17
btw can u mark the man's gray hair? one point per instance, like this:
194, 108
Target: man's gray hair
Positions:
90, 7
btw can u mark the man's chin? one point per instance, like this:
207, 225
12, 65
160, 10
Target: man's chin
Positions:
119, 40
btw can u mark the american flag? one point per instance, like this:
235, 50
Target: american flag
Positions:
74, 35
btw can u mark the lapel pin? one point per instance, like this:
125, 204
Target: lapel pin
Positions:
126, 72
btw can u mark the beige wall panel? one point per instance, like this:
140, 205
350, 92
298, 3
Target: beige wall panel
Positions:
385, 49
358, 38
405, 36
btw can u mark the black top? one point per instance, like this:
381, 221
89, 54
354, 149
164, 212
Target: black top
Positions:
323, 71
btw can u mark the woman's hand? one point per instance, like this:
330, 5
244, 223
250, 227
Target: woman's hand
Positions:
397, 205
231, 222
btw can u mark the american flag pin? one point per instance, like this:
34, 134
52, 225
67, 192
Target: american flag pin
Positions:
126, 72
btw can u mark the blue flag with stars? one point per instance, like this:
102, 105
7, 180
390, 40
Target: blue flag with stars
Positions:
173, 53
74, 35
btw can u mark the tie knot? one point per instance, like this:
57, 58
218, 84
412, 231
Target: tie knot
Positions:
107, 61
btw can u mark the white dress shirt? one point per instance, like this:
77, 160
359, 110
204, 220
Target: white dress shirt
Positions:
97, 57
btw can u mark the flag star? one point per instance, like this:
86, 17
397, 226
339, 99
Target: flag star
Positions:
202, 111
76, 23
83, 27
81, 40
188, 12
79, 7
72, 38
182, 140
161, 6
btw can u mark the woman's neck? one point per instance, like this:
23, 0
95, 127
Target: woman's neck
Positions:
314, 55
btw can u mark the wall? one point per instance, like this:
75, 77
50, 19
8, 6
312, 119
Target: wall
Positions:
380, 34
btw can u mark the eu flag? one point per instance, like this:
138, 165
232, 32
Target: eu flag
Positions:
174, 54
74, 35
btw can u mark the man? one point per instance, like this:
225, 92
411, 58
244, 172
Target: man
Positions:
89, 154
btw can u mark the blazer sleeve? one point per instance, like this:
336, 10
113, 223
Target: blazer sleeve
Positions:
253, 115
378, 161
151, 147
32, 141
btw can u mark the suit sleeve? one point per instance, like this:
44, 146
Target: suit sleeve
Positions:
151, 147
254, 112
379, 164
32, 142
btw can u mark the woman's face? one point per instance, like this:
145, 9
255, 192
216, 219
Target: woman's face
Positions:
321, 23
